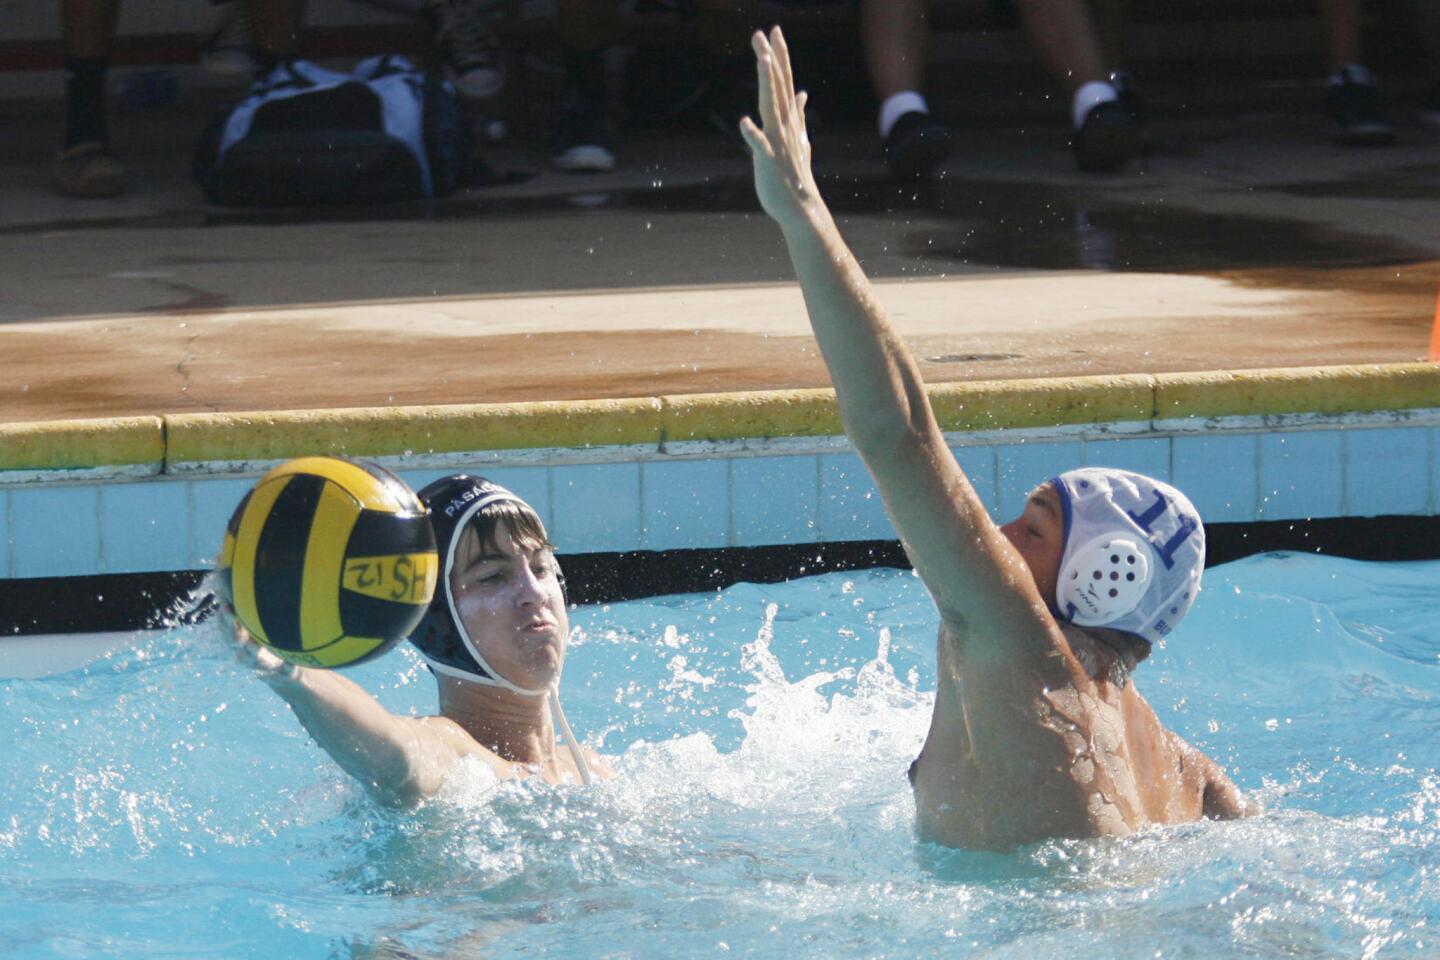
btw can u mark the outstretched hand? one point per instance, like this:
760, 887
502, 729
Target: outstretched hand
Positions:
780, 146
253, 655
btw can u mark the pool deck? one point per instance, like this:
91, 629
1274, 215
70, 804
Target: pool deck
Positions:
1247, 242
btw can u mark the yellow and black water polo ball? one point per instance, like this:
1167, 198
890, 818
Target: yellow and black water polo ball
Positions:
329, 561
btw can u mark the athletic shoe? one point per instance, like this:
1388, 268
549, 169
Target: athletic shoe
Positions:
89, 171
582, 144
229, 50
1125, 95
916, 145
467, 43
1110, 138
1429, 112
1356, 119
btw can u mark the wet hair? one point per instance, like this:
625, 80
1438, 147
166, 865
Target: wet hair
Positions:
517, 517
459, 504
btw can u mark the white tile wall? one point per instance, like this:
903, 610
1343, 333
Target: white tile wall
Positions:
1217, 473
596, 507
55, 531
686, 504
1387, 471
774, 500
980, 466
211, 504
4, 534
1300, 475
1147, 455
135, 526
1434, 438
144, 526
850, 507
1023, 466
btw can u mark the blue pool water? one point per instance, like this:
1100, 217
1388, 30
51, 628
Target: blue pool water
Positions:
162, 803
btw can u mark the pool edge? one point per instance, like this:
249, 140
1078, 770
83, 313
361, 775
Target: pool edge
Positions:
46, 451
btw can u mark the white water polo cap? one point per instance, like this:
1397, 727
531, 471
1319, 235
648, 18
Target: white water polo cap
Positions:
1134, 552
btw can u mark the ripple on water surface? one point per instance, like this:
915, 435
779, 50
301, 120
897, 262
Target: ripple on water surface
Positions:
162, 803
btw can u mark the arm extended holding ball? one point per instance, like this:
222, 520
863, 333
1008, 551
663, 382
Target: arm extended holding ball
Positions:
399, 760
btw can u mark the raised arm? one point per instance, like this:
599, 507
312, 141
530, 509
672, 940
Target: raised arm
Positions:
979, 582
399, 760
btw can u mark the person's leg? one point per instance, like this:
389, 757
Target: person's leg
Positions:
468, 44
1341, 19
896, 39
587, 28
1353, 101
85, 167
1426, 16
275, 27
1064, 38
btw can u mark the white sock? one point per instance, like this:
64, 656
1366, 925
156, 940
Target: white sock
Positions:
1355, 73
896, 106
1088, 97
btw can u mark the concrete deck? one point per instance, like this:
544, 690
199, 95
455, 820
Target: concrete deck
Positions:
1248, 241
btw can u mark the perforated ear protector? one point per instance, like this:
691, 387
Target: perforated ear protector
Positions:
1103, 580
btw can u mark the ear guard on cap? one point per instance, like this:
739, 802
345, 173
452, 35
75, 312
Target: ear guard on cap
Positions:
1103, 580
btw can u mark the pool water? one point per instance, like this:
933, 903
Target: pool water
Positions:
163, 803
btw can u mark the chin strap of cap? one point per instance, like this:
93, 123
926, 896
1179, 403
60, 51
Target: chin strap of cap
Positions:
577, 754
495, 678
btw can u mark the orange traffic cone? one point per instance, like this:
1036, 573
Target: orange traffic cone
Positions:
1435, 335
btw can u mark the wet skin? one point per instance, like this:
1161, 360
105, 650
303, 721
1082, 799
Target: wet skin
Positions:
1026, 748
513, 607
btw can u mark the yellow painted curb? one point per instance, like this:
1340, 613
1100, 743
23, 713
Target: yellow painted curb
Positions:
199, 438
762, 414
83, 444
1352, 389
392, 431
1009, 404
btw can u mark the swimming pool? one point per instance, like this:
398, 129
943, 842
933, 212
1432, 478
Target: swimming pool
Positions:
162, 803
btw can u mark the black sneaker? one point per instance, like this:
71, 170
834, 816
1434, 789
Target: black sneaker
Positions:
582, 142
1356, 119
1126, 96
916, 145
1110, 138
465, 39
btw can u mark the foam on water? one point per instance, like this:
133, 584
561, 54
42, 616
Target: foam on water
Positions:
164, 803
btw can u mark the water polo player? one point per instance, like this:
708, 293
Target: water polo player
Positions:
494, 637
1036, 731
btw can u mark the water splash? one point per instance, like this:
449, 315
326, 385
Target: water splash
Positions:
761, 736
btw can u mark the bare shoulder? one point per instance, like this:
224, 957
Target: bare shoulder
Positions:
1222, 799
450, 741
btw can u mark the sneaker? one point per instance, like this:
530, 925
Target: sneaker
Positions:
229, 50
1110, 138
1125, 95
468, 45
1429, 112
582, 144
916, 145
88, 170
1356, 119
